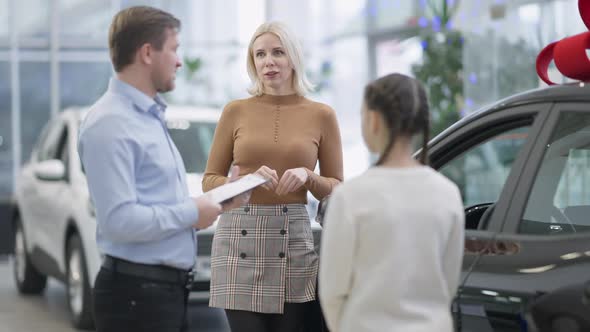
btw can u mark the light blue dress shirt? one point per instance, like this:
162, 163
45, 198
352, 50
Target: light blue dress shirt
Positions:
137, 180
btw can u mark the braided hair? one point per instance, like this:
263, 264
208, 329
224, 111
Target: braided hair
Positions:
403, 103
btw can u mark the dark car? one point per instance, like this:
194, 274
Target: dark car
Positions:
523, 168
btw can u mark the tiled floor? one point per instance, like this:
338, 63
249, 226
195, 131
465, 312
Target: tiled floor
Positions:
48, 312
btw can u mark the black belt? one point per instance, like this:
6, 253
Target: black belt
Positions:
152, 272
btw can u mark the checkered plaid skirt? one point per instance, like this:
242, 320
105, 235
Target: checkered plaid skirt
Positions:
262, 257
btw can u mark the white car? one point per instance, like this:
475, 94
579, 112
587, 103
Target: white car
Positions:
54, 221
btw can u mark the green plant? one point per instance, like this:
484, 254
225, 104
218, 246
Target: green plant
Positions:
322, 77
441, 70
192, 66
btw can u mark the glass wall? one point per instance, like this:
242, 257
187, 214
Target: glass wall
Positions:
472, 55
84, 23
6, 169
502, 43
32, 21
335, 42
4, 22
5, 131
214, 37
35, 101
82, 83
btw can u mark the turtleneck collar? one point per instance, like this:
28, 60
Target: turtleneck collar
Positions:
279, 100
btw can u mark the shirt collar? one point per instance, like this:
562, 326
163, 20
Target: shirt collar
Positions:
140, 100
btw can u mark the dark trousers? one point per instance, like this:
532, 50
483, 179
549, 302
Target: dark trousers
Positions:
292, 320
128, 303
314, 322
315, 319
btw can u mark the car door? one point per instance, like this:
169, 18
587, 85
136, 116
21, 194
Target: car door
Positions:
485, 158
55, 199
47, 194
28, 187
548, 224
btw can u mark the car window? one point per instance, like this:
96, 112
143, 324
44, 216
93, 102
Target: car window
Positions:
193, 140
49, 141
42, 139
62, 151
480, 172
559, 202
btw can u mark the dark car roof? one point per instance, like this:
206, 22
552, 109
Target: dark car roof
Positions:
575, 92
565, 92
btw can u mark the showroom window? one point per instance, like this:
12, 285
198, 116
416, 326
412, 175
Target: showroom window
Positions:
35, 100
6, 167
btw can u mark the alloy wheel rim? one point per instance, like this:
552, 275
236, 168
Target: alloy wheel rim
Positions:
75, 285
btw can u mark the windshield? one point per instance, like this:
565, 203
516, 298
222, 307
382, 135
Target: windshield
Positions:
193, 140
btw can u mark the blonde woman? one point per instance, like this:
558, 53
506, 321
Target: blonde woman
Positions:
263, 263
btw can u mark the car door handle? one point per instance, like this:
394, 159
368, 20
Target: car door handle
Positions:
487, 247
555, 228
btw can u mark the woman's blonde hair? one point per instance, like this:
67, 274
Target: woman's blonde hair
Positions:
300, 82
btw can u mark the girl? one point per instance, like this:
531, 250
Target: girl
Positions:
393, 238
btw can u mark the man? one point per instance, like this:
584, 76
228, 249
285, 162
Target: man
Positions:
145, 218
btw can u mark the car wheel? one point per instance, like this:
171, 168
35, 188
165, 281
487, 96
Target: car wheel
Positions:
79, 293
28, 279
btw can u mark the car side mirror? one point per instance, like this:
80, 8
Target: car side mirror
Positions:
50, 170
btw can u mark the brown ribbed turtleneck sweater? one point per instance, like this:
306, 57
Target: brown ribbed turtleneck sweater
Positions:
281, 132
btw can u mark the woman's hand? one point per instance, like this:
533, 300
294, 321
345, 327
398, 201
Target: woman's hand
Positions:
268, 173
291, 181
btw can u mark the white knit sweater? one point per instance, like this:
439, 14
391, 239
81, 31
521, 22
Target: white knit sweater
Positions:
391, 252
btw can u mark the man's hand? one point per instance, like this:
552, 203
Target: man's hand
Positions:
291, 180
268, 173
239, 200
208, 211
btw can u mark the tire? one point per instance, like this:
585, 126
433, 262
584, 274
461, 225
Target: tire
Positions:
78, 286
27, 278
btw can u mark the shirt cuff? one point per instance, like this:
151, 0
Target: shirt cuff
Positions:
189, 212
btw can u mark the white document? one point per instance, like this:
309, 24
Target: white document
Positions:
232, 189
